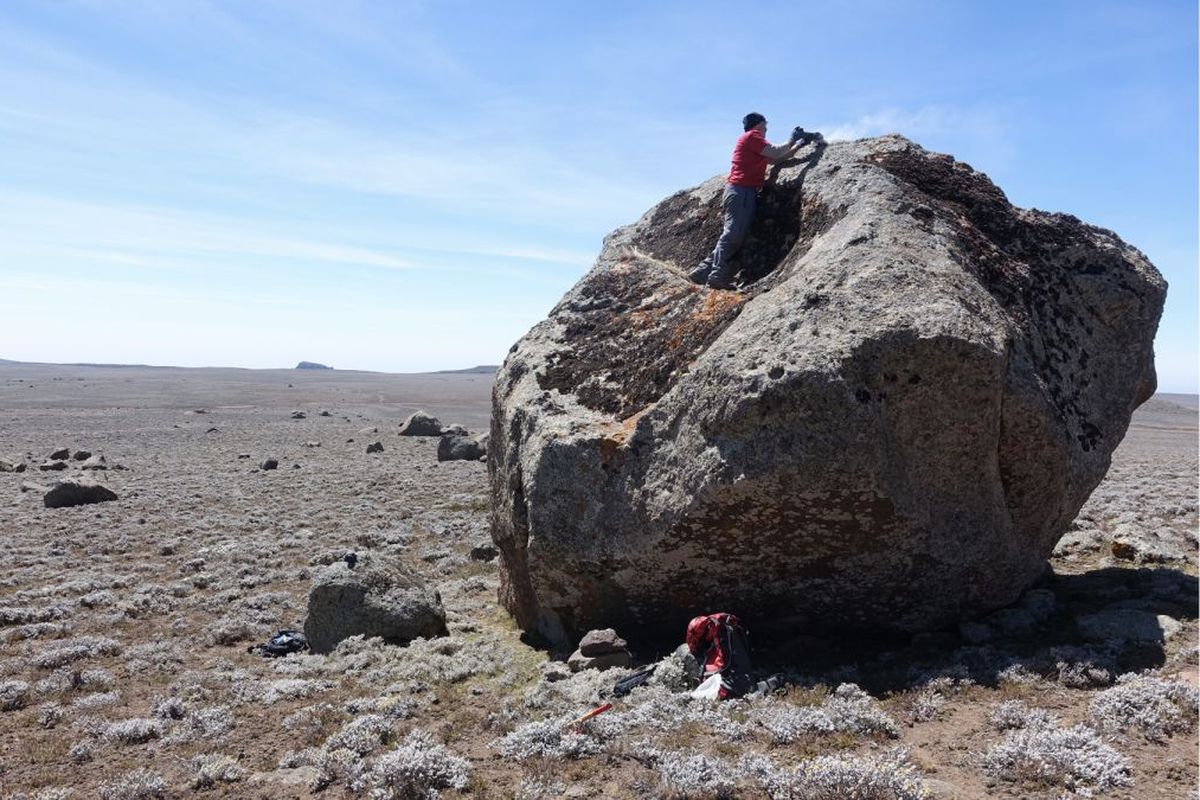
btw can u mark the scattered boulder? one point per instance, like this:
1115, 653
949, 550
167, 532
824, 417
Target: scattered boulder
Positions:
10, 466
376, 597
312, 444
484, 552
77, 492
456, 430
375, 447
243, 455
454, 447
299, 415
658, 447
213, 429
325, 414
53, 466
600, 649
62, 454
421, 424
270, 463
82, 455
95, 462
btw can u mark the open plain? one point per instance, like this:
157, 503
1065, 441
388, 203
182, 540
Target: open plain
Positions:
124, 626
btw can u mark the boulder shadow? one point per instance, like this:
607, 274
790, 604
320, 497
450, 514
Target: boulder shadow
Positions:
1101, 624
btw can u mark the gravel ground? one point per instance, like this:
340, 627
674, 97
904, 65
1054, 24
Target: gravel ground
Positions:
124, 626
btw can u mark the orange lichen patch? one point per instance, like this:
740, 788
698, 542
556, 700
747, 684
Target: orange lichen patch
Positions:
616, 434
633, 329
716, 309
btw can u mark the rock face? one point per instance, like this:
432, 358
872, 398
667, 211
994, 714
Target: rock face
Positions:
77, 492
420, 423
891, 426
374, 598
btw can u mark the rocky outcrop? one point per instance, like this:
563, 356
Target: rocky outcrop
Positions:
891, 426
374, 597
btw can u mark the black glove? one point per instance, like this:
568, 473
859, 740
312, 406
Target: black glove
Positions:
806, 137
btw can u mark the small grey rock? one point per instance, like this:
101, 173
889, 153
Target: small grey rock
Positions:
375, 447
602, 642
579, 662
53, 466
62, 454
299, 415
82, 455
96, 462
270, 463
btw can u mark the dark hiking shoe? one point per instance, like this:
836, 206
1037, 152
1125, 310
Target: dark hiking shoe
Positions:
699, 274
717, 283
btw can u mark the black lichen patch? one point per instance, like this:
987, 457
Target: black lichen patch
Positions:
631, 330
1034, 264
683, 230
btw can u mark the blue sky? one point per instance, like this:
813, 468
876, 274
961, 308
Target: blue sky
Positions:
411, 186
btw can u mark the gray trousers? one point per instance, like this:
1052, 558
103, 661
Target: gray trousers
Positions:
737, 204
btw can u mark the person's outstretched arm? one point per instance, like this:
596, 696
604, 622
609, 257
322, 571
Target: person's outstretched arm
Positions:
779, 152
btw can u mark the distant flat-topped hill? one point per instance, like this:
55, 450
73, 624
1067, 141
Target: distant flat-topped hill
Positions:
311, 365
483, 369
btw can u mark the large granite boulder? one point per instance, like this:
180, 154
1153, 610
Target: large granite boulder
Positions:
374, 597
890, 427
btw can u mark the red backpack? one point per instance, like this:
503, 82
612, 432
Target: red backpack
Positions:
718, 641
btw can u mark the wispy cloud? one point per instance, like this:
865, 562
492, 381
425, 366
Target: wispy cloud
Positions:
982, 132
